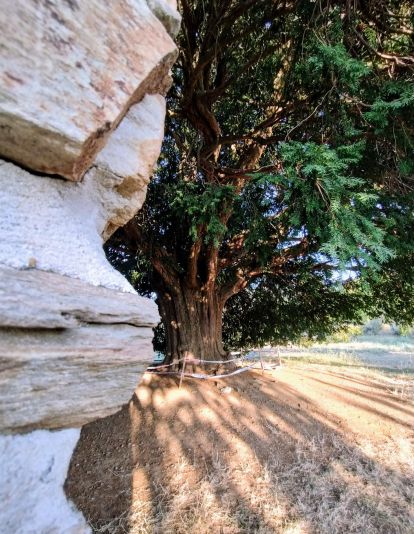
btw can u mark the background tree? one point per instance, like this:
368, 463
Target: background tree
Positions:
288, 157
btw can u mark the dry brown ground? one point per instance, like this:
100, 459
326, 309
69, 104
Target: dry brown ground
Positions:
298, 450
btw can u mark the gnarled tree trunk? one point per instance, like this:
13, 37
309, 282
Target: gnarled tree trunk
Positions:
192, 318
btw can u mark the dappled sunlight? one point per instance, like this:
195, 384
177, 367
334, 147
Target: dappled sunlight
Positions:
278, 452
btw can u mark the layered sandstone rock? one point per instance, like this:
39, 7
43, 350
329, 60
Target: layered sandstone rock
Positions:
81, 124
71, 352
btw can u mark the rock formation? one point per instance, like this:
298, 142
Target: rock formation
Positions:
81, 123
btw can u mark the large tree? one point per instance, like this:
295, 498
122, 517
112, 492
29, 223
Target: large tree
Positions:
287, 159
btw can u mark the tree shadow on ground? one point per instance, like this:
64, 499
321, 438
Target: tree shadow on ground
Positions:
262, 458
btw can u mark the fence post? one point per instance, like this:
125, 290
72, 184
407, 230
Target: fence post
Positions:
182, 372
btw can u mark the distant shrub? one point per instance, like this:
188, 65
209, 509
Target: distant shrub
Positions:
403, 330
345, 334
372, 327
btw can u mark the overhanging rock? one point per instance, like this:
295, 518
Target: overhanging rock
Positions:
70, 71
82, 112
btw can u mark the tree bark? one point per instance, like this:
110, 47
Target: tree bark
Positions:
192, 318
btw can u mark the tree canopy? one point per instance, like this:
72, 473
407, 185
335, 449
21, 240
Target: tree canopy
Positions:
283, 198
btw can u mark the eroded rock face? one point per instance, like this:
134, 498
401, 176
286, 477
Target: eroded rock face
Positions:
166, 12
70, 71
82, 109
70, 352
32, 499
123, 168
57, 225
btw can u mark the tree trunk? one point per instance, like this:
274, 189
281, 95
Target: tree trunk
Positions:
192, 319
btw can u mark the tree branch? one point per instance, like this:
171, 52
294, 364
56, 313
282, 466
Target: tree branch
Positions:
402, 61
163, 262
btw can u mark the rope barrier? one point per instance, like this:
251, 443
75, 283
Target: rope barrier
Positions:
155, 369
182, 374
198, 360
203, 376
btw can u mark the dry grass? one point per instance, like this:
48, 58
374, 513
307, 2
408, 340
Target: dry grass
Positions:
374, 351
336, 491
402, 386
311, 449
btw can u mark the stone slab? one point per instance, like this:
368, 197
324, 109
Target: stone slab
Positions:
37, 299
67, 378
69, 72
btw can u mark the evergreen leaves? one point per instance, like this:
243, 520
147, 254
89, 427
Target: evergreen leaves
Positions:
203, 204
289, 150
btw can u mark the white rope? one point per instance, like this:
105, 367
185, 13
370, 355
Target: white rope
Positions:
198, 360
214, 377
206, 377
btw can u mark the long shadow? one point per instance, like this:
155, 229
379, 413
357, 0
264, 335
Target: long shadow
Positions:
379, 398
99, 479
366, 407
128, 468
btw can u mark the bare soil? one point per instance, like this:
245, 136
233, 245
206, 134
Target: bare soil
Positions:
302, 449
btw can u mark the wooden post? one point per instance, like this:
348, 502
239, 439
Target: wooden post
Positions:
261, 361
182, 373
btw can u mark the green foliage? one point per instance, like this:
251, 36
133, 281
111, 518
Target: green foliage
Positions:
337, 208
394, 98
319, 224
289, 309
334, 63
204, 204
346, 334
391, 293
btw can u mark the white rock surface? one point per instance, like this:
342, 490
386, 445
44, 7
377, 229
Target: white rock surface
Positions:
123, 168
69, 71
33, 471
52, 225
166, 12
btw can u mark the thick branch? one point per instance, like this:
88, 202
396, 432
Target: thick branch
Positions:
402, 61
163, 262
193, 256
244, 274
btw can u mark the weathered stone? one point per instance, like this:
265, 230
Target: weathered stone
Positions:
53, 225
123, 168
167, 14
69, 72
33, 470
38, 299
76, 351
58, 225
81, 87
67, 378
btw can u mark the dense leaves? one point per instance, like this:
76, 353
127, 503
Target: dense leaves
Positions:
301, 307
286, 169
